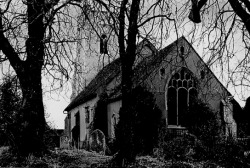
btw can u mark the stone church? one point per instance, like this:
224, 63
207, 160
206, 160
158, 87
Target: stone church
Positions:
173, 74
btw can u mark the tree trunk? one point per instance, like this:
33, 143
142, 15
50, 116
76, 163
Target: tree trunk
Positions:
32, 111
29, 74
127, 121
31, 130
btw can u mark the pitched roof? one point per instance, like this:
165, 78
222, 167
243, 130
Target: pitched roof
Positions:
141, 71
110, 71
102, 78
146, 67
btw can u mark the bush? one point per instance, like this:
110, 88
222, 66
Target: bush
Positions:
185, 147
202, 122
10, 159
10, 118
51, 138
100, 116
229, 153
144, 121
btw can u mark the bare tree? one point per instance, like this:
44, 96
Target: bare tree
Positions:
36, 37
131, 21
225, 29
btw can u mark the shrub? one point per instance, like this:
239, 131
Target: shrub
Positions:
51, 138
229, 153
10, 118
203, 133
100, 116
202, 121
144, 121
185, 147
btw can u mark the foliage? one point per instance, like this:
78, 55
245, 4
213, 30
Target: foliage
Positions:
9, 159
10, 103
185, 147
69, 158
36, 38
10, 117
100, 116
145, 123
51, 137
229, 153
202, 122
205, 126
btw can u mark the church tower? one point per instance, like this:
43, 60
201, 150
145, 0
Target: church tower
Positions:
97, 45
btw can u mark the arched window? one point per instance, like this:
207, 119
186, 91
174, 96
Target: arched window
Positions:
181, 92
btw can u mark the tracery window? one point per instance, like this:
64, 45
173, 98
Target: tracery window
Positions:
181, 92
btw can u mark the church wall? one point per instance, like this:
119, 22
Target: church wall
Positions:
210, 89
82, 111
113, 116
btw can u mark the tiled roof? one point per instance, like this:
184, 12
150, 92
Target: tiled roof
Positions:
102, 78
145, 68
110, 71
141, 72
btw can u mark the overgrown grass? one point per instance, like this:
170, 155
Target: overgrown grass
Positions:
61, 158
85, 159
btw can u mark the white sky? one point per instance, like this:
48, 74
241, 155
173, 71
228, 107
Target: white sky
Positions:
54, 108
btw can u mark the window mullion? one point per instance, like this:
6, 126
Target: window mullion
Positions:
177, 104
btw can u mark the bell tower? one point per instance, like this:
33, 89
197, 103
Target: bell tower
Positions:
97, 45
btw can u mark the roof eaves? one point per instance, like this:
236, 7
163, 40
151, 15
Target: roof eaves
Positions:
90, 91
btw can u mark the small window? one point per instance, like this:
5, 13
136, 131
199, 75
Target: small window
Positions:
104, 44
162, 73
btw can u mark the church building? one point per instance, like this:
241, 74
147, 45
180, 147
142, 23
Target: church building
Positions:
174, 75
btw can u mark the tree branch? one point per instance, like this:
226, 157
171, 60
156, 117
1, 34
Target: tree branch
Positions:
153, 17
133, 28
111, 14
122, 29
247, 4
8, 50
201, 3
194, 14
241, 12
